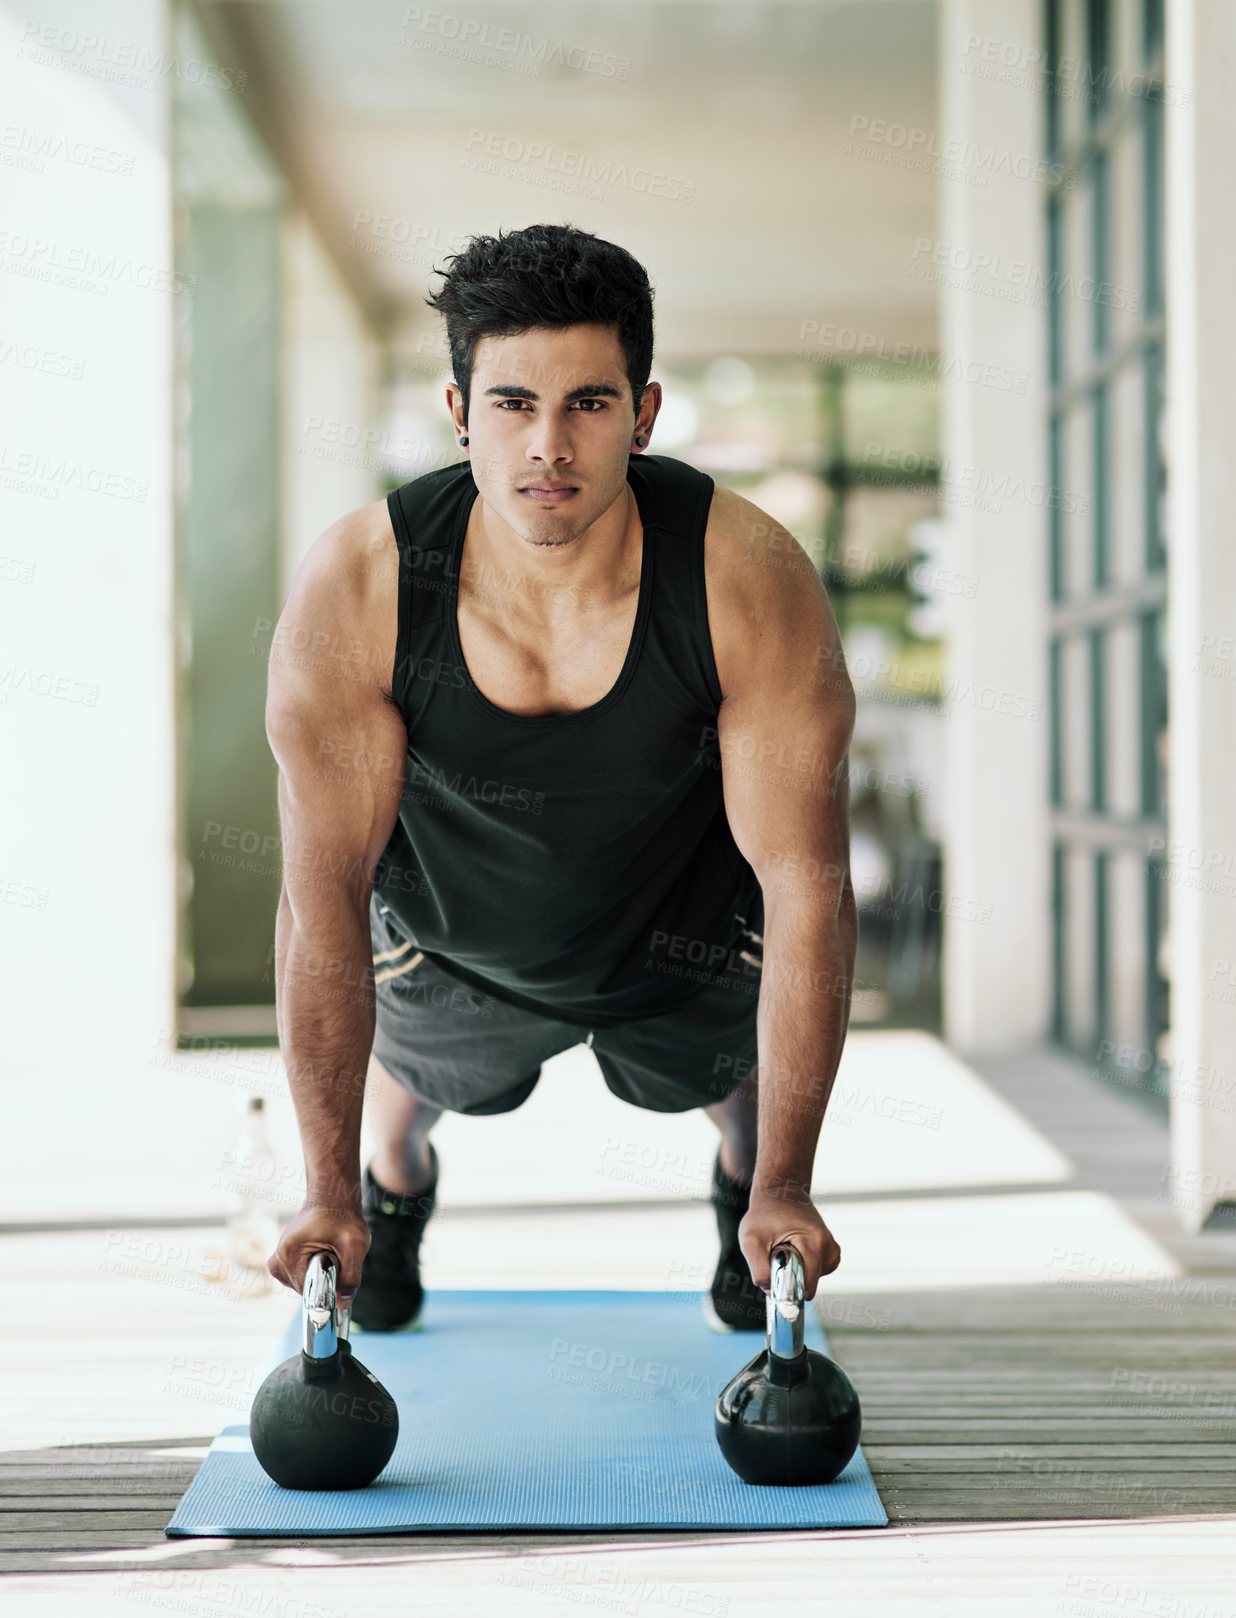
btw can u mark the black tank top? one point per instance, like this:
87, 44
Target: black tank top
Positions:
578, 864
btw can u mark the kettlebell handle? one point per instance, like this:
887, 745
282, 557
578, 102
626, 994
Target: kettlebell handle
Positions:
786, 1303
324, 1324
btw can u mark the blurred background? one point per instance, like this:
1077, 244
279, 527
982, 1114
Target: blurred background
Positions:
938, 286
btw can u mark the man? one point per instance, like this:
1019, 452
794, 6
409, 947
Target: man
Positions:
564, 761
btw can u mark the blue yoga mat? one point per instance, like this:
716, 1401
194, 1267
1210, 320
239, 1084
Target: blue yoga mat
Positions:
581, 1410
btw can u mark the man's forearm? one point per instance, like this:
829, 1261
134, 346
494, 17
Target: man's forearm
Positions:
325, 1014
804, 1013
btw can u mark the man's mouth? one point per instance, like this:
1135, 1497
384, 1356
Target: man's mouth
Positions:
548, 494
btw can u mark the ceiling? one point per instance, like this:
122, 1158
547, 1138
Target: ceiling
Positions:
400, 150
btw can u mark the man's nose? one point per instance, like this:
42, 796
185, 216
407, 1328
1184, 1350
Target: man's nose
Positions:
550, 441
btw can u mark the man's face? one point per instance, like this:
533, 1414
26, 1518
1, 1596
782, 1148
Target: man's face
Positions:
550, 426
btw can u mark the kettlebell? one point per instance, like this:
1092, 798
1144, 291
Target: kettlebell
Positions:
791, 1415
321, 1420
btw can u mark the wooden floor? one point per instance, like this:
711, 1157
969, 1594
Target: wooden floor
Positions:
1093, 1398
1057, 1444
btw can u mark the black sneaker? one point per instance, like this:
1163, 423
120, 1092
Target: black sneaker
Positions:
733, 1302
390, 1295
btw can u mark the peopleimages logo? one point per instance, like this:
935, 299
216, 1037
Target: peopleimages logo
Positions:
471, 38
58, 472
120, 60
985, 481
83, 266
921, 364
501, 793
975, 270
513, 149
916, 146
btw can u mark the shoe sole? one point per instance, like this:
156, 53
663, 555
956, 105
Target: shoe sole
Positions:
713, 1320
717, 1324
389, 1331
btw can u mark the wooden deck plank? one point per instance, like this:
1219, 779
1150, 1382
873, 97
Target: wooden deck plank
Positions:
55, 1502
986, 1408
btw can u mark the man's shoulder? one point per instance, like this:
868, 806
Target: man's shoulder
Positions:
750, 553
354, 550
763, 589
343, 597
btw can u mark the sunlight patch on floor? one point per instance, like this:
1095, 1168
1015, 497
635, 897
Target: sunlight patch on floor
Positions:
905, 1114
1051, 1237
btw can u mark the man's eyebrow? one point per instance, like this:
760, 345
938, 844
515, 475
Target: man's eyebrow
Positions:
590, 390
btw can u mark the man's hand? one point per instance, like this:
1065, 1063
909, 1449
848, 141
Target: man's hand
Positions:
319, 1229
786, 1214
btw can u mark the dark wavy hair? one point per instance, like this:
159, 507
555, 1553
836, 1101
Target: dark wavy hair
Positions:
544, 276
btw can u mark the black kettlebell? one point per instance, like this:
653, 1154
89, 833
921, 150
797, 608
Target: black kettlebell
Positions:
321, 1420
791, 1415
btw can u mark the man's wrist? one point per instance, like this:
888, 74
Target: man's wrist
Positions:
781, 1186
333, 1189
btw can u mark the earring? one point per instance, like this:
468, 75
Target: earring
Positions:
463, 440
641, 442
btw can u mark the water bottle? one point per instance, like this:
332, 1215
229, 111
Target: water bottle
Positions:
251, 1177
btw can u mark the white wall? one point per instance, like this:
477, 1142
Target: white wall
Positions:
996, 982
87, 615
1201, 890
332, 434
86, 643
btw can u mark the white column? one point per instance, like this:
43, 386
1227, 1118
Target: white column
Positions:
1201, 539
335, 445
87, 815
996, 973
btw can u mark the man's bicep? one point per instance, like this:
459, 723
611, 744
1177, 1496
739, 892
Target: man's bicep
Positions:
341, 746
340, 788
784, 733
784, 772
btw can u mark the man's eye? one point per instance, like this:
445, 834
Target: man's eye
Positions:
595, 405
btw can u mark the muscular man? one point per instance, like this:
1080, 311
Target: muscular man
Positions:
562, 734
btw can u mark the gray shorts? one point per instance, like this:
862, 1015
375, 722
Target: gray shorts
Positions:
464, 1050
